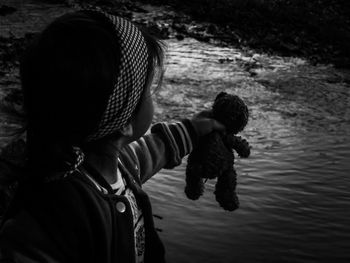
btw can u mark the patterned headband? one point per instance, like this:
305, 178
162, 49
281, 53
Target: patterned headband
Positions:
130, 81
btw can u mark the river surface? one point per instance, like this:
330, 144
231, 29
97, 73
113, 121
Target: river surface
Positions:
294, 188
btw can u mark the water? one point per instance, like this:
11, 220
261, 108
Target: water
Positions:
293, 190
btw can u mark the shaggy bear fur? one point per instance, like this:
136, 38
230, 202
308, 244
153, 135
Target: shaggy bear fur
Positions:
214, 158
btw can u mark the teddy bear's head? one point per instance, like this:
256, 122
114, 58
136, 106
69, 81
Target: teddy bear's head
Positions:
231, 111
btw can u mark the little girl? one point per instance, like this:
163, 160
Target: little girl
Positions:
87, 96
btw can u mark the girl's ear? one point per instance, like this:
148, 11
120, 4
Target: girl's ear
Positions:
127, 130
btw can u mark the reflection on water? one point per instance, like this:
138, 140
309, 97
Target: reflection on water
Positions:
294, 189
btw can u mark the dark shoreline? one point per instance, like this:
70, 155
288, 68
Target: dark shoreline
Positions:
280, 28
318, 30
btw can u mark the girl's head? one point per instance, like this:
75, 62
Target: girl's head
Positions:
85, 78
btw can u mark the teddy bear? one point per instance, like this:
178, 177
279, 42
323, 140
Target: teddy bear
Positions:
214, 157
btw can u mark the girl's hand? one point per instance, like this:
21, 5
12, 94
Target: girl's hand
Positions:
204, 124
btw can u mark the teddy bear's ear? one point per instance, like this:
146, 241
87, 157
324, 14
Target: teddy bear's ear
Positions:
220, 95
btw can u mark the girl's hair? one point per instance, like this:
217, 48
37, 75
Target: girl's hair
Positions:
67, 75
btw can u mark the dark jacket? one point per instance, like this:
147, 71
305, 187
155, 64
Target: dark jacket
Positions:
70, 220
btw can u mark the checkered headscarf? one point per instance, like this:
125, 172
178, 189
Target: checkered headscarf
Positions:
130, 81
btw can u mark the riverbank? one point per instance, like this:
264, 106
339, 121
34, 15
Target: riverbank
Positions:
318, 30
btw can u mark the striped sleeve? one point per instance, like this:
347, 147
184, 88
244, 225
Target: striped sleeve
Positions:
179, 137
164, 147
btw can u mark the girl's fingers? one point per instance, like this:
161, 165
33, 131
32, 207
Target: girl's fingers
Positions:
218, 126
204, 114
205, 124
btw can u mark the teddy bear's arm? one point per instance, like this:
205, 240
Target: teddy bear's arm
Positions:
239, 144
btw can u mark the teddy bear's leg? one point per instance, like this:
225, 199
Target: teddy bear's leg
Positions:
225, 190
194, 184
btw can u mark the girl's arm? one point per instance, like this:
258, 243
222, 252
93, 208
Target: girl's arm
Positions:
164, 147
